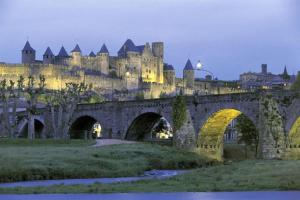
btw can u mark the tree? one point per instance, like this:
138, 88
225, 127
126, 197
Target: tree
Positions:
10, 96
140, 96
179, 114
94, 98
62, 105
5, 109
296, 84
33, 93
163, 95
249, 134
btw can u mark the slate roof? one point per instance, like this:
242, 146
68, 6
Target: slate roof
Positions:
27, 47
188, 65
92, 54
127, 46
63, 52
140, 48
168, 67
103, 49
48, 52
76, 49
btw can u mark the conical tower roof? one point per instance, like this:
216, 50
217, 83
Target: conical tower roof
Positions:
188, 65
48, 52
76, 49
28, 47
63, 52
92, 54
103, 49
168, 67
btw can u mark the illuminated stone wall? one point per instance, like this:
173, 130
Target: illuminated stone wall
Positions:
294, 135
105, 83
211, 134
205, 87
58, 75
154, 90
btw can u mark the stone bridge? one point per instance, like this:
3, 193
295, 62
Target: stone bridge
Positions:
275, 115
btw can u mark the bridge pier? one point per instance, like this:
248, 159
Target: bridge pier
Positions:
271, 133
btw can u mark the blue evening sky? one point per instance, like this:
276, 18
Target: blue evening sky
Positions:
228, 36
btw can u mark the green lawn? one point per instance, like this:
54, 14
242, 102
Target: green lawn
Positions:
54, 159
251, 175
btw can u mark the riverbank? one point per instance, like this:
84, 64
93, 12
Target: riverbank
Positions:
23, 160
251, 175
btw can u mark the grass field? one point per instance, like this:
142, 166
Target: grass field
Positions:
254, 175
54, 159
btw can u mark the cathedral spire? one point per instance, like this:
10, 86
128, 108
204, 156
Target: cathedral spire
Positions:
285, 74
285, 70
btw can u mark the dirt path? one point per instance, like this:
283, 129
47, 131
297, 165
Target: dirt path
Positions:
105, 142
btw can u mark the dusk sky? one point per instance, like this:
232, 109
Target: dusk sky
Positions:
228, 36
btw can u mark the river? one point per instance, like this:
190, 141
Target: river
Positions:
162, 196
153, 174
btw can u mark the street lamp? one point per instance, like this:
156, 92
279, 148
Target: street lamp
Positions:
112, 89
199, 67
127, 75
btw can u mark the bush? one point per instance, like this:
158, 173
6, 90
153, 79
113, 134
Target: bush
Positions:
163, 95
140, 96
179, 112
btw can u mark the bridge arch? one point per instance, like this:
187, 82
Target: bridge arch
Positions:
85, 126
291, 118
149, 126
211, 133
294, 135
22, 129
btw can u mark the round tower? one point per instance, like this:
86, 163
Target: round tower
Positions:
28, 54
188, 75
62, 58
48, 57
76, 56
